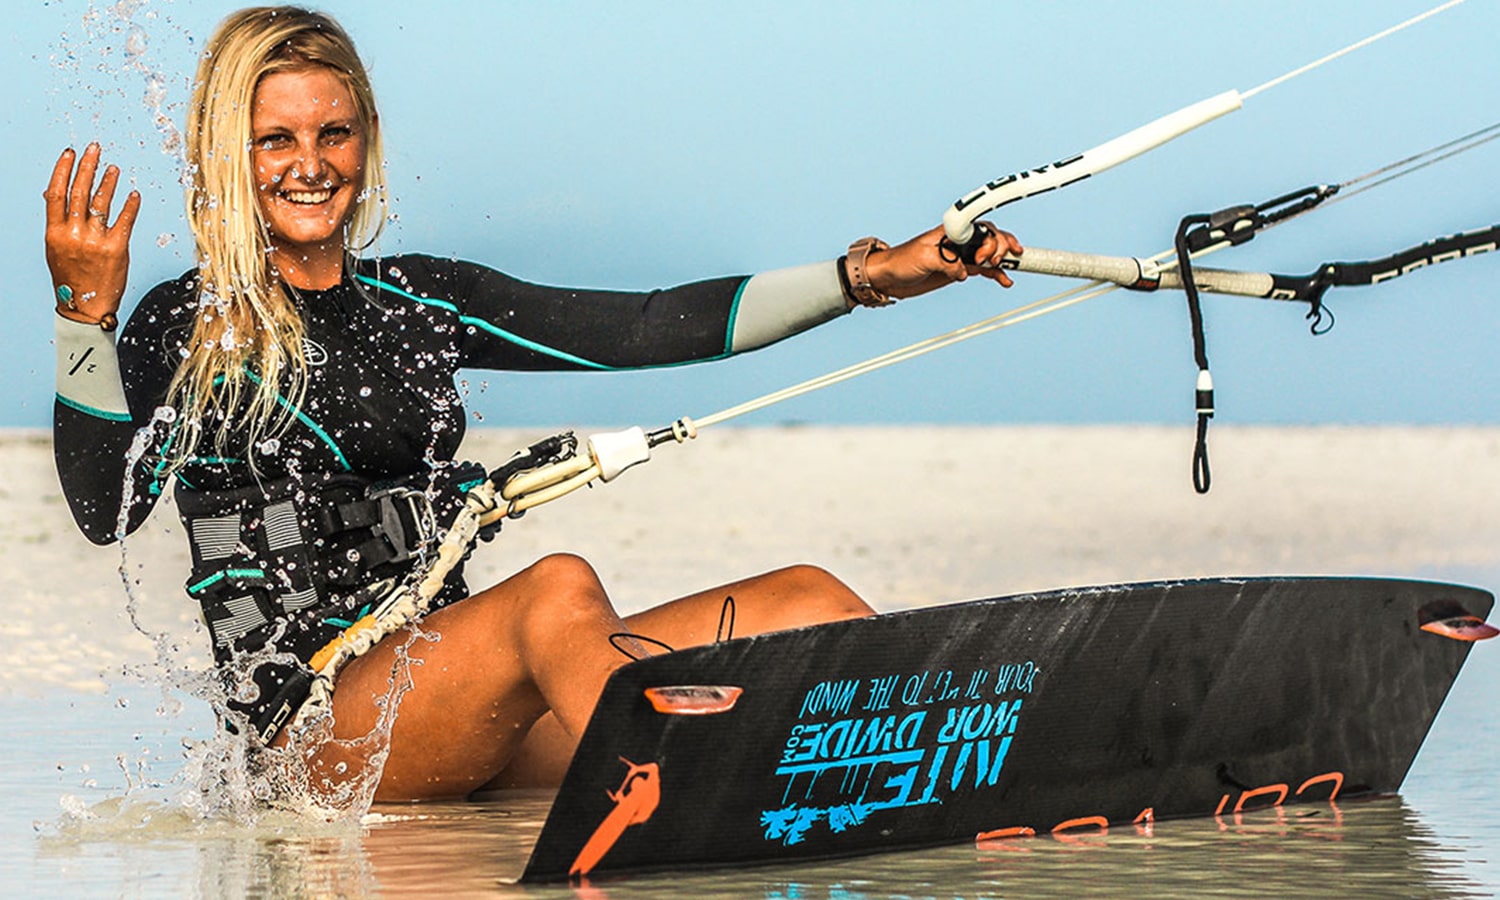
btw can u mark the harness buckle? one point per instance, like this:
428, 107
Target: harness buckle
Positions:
407, 521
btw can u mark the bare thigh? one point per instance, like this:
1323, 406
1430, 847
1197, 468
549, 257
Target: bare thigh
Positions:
786, 598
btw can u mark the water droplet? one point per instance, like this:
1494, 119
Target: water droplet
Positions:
365, 391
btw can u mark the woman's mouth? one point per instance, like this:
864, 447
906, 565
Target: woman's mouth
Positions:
307, 198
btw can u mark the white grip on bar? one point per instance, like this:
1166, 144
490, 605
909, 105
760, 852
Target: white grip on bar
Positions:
1135, 272
958, 221
1125, 271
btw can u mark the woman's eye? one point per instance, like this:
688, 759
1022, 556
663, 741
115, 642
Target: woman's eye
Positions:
272, 142
338, 135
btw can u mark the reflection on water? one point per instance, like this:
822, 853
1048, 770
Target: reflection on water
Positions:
1375, 848
125, 830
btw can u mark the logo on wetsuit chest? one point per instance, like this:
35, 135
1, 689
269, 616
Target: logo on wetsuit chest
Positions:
313, 352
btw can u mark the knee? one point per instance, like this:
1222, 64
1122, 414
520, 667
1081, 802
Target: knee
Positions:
806, 578
561, 573
560, 589
818, 593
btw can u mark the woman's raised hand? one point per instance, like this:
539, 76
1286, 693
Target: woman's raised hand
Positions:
88, 256
926, 263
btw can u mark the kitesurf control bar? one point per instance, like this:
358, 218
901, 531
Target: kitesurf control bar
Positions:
1137, 274
555, 467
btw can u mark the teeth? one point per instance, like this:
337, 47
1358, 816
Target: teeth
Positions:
307, 196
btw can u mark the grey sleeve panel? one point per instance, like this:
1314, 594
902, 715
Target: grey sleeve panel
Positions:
780, 303
88, 371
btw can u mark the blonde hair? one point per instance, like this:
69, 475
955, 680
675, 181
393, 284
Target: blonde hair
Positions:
246, 340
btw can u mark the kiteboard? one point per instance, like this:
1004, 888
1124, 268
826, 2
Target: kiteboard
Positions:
1070, 712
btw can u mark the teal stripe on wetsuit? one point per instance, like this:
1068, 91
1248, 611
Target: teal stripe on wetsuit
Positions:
553, 352
305, 419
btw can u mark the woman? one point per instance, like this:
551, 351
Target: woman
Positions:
303, 400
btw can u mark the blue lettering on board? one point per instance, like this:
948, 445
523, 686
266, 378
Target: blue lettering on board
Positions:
829, 696
915, 739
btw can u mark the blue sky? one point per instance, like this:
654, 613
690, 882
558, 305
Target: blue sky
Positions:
643, 144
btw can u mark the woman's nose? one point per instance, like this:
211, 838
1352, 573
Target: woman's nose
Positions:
310, 165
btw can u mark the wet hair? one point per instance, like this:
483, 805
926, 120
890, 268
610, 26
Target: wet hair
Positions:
244, 364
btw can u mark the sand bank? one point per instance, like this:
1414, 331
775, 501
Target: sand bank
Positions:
906, 515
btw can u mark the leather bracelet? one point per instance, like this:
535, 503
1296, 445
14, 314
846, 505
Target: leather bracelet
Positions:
65, 298
106, 322
860, 288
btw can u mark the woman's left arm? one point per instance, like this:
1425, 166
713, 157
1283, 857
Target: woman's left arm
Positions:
512, 324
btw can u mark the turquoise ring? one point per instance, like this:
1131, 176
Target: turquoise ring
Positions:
65, 296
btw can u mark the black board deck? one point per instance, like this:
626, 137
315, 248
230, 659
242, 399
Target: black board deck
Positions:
1073, 710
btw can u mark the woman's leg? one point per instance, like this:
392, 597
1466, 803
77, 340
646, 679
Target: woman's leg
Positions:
786, 598
537, 641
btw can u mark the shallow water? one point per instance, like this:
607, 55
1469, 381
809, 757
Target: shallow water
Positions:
98, 808
110, 760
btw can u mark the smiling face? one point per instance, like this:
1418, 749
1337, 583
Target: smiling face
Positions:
308, 153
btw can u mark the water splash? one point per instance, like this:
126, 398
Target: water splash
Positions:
110, 58
227, 780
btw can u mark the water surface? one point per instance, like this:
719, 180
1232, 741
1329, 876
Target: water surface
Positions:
95, 813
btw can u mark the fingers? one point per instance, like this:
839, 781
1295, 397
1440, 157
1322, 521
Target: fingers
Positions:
83, 181
105, 195
128, 213
993, 253
998, 244
1005, 246
80, 200
56, 193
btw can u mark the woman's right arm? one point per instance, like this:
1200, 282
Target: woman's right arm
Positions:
92, 422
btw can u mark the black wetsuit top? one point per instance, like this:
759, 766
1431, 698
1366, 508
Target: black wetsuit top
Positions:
380, 402
383, 348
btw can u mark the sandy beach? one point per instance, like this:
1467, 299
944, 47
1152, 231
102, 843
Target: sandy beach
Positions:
908, 516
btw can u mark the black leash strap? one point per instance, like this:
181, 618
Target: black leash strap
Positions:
1204, 392
1233, 225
